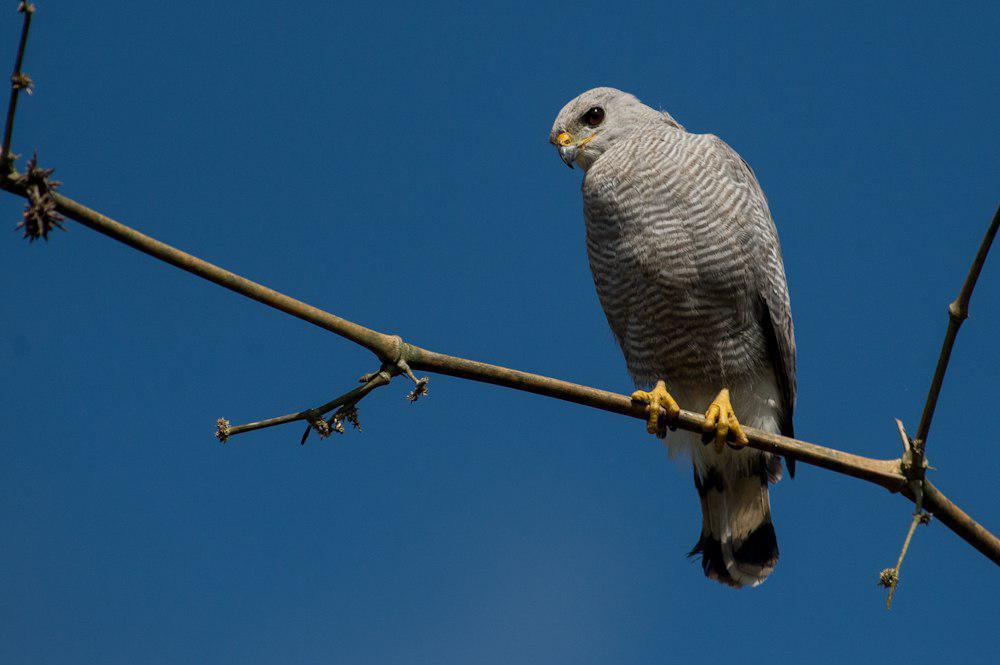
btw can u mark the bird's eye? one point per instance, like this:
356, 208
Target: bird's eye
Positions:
594, 116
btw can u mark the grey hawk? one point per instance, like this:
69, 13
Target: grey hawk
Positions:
688, 269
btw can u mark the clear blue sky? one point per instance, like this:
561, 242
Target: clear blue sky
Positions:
390, 164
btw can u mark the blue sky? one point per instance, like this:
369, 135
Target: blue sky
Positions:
390, 164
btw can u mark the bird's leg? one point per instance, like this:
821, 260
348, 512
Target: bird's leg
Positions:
721, 419
656, 398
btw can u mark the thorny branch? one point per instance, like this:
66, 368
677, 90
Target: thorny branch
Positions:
398, 357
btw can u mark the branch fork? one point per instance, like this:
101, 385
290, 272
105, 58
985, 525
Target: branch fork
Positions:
395, 363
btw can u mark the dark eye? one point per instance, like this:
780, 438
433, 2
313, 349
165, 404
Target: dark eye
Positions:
594, 116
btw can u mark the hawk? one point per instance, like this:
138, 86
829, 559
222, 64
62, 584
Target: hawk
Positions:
688, 270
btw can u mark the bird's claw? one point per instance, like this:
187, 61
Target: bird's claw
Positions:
656, 398
721, 419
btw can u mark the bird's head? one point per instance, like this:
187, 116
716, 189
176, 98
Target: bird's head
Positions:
590, 124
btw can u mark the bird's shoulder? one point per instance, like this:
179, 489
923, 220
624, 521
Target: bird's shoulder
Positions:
655, 148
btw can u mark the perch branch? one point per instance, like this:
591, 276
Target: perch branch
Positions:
391, 349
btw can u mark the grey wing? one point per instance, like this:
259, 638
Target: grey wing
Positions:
772, 289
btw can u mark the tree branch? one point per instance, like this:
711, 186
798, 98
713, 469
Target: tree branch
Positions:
958, 312
890, 576
314, 416
18, 82
914, 461
393, 352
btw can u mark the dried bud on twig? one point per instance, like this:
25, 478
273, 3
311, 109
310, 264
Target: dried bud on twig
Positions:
316, 422
349, 413
40, 214
322, 428
22, 81
222, 430
888, 578
419, 389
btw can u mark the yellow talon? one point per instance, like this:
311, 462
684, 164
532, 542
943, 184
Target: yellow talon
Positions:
656, 398
721, 418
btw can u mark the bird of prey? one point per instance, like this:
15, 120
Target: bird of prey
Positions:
688, 270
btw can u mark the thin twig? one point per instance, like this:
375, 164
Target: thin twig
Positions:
890, 576
958, 311
225, 431
18, 81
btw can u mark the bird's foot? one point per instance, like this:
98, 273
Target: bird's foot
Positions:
656, 398
721, 419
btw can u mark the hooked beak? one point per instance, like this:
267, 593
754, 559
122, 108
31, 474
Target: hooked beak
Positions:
570, 149
568, 154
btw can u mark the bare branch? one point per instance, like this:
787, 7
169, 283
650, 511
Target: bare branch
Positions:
890, 576
313, 416
386, 347
18, 81
958, 521
958, 311
392, 351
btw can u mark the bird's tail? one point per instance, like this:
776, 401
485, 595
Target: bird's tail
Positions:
738, 546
